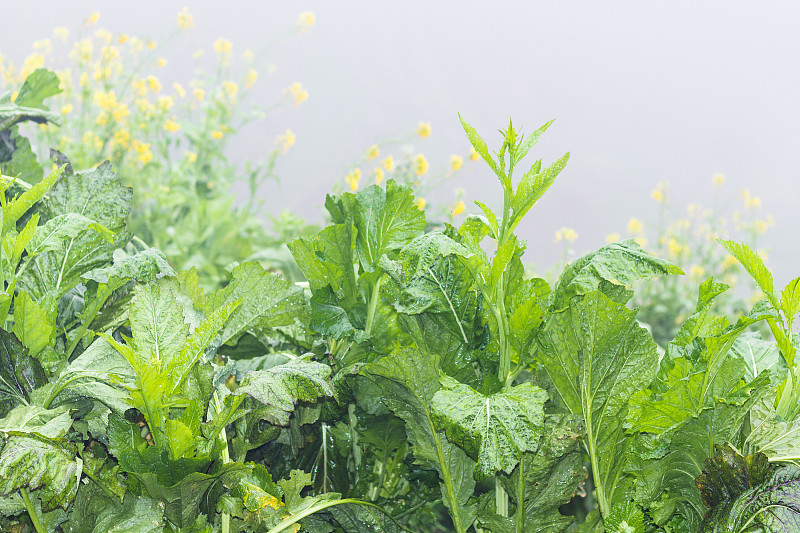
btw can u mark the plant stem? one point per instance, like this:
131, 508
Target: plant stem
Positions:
226, 458
37, 524
500, 498
521, 496
373, 304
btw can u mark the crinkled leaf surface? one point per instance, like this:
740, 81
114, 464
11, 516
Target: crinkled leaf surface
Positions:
268, 300
32, 325
19, 373
282, 386
94, 194
597, 356
617, 264
494, 430
749, 494
386, 220
38, 462
410, 379
147, 265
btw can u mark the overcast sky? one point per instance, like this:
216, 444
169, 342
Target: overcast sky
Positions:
642, 92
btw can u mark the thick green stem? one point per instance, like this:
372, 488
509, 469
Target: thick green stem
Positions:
595, 461
373, 304
226, 458
521, 496
291, 520
500, 498
37, 523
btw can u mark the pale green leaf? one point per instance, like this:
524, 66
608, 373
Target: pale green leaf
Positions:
494, 430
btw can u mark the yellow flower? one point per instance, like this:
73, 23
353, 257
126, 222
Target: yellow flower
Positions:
424, 129
752, 201
161, 62
473, 154
456, 162
92, 18
458, 208
352, 179
179, 89
250, 77
306, 20
223, 46
122, 39
191, 157
231, 89
388, 163
657, 195
61, 33
696, 271
109, 53
372, 152
635, 226
285, 140
31, 63
420, 164
760, 226
153, 84
103, 35
165, 103
378, 175
298, 93
216, 134
198, 94
566, 234
185, 19
729, 262
420, 203
122, 137
150, 45
144, 154
84, 81
44, 46
171, 126
641, 241
248, 56
66, 109
613, 237
718, 179
674, 248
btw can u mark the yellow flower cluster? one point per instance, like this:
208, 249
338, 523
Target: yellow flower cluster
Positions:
250, 78
456, 162
567, 235
352, 179
378, 175
298, 94
420, 202
420, 164
223, 46
306, 20
372, 152
458, 208
285, 140
424, 129
185, 19
659, 194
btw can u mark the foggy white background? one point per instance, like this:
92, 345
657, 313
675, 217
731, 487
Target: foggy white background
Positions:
641, 92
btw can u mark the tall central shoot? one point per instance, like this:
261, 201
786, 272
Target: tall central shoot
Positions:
516, 203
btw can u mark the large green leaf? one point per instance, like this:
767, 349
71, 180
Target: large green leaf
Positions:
597, 356
20, 374
37, 462
749, 494
385, 219
612, 269
494, 430
267, 299
32, 325
96, 195
51, 235
282, 386
409, 379
136, 514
